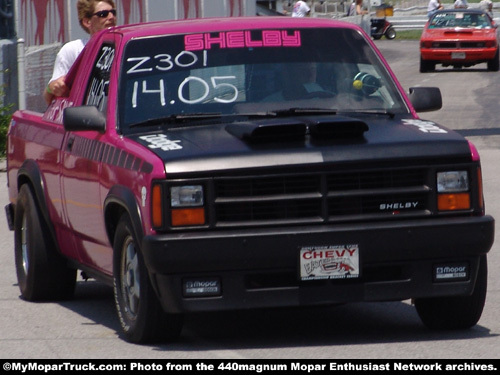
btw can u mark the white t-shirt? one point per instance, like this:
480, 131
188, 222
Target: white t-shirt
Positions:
461, 4
485, 5
352, 10
433, 5
300, 9
66, 57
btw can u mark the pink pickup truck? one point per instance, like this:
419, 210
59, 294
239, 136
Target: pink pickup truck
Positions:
241, 163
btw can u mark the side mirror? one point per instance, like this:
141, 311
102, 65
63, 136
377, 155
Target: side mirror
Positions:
84, 118
425, 99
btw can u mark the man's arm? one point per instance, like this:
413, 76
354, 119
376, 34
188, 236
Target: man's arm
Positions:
55, 88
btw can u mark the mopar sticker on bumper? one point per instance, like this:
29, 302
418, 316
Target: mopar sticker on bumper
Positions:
451, 272
329, 262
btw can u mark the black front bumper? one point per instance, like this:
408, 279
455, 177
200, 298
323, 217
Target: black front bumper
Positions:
258, 268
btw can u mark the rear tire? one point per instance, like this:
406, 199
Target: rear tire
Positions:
142, 318
42, 273
461, 312
494, 65
390, 33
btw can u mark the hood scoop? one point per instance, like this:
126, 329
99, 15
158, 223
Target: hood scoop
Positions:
280, 129
337, 127
270, 130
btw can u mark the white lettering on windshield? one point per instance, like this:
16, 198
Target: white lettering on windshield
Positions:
164, 62
219, 84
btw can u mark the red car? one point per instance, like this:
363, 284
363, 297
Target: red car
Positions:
459, 38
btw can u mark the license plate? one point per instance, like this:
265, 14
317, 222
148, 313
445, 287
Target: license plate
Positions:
458, 55
329, 262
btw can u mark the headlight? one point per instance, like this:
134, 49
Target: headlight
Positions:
453, 191
451, 182
186, 204
186, 196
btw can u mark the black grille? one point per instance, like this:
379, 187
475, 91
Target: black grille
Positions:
444, 45
472, 44
375, 180
319, 197
254, 187
269, 210
458, 44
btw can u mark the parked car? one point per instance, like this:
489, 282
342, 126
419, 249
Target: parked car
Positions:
459, 38
241, 163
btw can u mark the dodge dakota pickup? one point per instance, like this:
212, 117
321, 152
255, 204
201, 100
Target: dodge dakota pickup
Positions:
243, 163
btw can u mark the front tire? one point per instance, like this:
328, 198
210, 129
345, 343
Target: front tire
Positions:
42, 273
142, 318
460, 312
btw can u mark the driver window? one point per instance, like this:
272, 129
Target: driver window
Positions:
97, 91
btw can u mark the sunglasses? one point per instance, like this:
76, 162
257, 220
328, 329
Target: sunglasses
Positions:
105, 13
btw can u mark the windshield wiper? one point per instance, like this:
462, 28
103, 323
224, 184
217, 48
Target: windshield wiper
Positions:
373, 112
190, 117
177, 119
302, 111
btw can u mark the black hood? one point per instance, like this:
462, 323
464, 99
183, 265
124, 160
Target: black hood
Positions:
302, 141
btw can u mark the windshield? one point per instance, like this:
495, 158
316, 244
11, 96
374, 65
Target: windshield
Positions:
460, 19
250, 72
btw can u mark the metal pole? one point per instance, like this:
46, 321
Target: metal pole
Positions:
69, 35
146, 11
17, 18
21, 71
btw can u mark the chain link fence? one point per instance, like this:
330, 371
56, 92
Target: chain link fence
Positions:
39, 63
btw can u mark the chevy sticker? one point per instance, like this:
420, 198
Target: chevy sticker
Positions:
329, 262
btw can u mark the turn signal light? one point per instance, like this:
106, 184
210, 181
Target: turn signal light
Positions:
157, 206
453, 202
188, 216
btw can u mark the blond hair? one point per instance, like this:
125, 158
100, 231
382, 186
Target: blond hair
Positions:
86, 9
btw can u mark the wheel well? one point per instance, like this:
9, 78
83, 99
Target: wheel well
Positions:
114, 212
23, 179
30, 174
36, 188
121, 200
